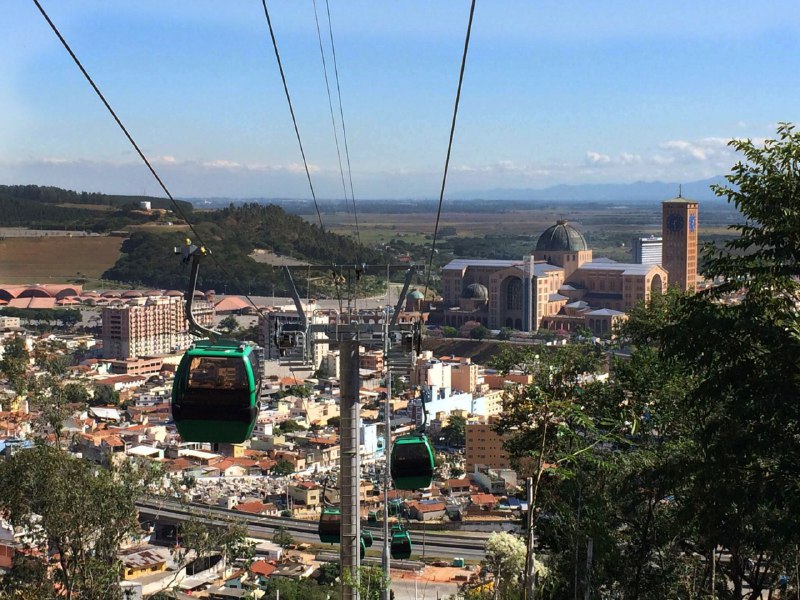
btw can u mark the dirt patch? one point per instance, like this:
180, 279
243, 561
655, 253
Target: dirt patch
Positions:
56, 259
269, 258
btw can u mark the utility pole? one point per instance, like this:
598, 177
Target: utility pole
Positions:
349, 335
350, 480
386, 561
530, 540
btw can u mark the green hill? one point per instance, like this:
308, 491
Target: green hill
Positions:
147, 258
232, 234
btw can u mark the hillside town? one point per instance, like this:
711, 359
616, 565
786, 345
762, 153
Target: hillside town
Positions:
119, 369
115, 353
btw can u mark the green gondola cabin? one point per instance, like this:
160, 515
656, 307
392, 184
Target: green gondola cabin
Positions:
216, 391
330, 525
412, 462
400, 546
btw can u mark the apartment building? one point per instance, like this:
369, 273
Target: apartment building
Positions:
150, 326
484, 447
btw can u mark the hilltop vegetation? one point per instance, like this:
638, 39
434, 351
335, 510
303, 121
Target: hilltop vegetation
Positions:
47, 207
232, 234
147, 258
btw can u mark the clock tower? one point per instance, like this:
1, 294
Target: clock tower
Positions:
679, 226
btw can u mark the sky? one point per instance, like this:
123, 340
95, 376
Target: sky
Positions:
555, 92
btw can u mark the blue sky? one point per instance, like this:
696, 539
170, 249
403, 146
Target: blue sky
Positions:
555, 92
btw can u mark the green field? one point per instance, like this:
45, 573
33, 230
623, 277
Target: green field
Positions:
55, 259
609, 230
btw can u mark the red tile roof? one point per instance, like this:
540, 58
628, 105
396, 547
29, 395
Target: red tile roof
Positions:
483, 499
253, 508
262, 568
426, 507
460, 483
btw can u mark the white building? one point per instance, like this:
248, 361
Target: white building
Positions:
368, 441
647, 250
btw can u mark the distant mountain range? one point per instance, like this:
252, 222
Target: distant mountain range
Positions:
639, 191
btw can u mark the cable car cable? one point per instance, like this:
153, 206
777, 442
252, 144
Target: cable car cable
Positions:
300, 144
341, 118
330, 106
136, 147
449, 146
116, 118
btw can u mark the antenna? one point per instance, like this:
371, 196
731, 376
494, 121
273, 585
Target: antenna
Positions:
680, 191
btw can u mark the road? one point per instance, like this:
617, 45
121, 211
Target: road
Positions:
436, 544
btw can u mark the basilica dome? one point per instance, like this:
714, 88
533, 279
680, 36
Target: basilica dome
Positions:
561, 237
475, 291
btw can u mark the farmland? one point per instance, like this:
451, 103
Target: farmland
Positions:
25, 260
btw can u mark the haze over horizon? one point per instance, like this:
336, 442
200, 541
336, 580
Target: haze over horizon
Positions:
571, 93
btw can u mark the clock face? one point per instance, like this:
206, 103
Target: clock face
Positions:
692, 223
674, 222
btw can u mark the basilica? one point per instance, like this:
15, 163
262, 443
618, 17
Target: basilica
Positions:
561, 286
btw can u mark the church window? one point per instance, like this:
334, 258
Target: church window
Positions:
514, 295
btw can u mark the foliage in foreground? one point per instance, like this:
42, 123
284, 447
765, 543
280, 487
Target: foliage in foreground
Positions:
680, 477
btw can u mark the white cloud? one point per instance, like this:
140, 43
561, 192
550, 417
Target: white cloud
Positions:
626, 158
703, 149
662, 160
222, 164
597, 158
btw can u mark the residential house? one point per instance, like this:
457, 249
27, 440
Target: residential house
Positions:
144, 561
483, 501
257, 508
305, 493
458, 487
425, 510
495, 481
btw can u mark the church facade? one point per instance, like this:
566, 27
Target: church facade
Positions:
560, 286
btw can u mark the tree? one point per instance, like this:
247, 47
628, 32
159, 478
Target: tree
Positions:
455, 432
449, 332
282, 468
27, 580
104, 395
739, 347
76, 393
83, 513
505, 556
200, 541
505, 333
229, 324
329, 573
283, 538
478, 333
290, 426
15, 364
549, 432
371, 583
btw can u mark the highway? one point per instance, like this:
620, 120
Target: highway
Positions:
436, 544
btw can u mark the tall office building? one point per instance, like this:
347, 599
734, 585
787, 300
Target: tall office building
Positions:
679, 226
647, 250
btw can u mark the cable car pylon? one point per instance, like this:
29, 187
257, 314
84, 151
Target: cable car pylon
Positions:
382, 329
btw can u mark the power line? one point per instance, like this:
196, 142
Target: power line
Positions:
449, 146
